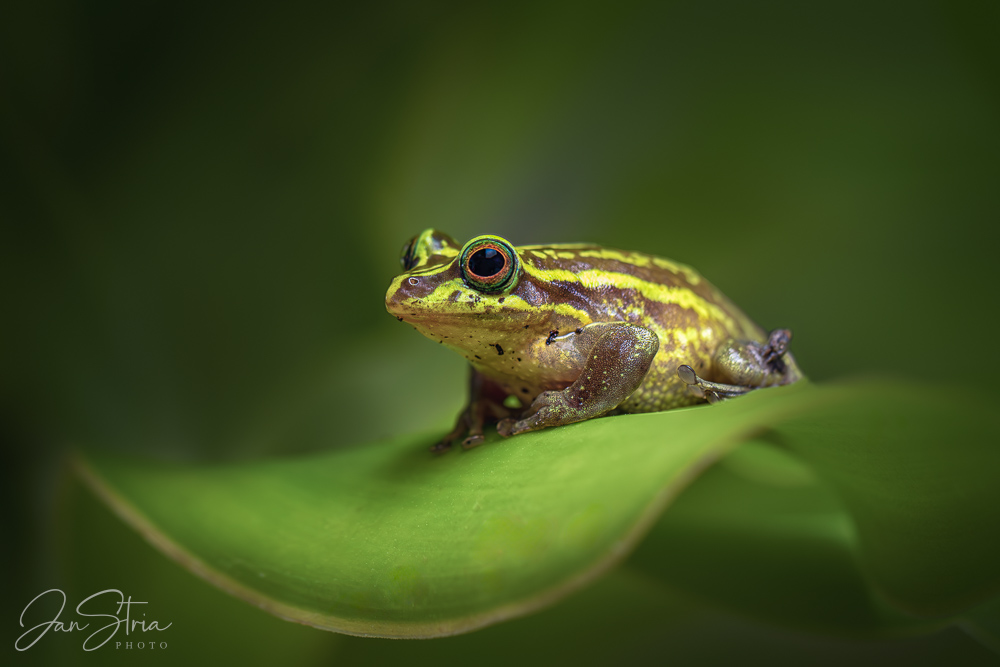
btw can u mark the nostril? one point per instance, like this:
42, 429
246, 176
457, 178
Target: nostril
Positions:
413, 281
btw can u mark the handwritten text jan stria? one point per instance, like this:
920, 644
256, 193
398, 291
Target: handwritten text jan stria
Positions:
91, 607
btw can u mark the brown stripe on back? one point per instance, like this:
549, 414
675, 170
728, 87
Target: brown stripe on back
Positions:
580, 297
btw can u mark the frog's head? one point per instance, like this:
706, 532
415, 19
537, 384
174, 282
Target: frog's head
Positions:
449, 290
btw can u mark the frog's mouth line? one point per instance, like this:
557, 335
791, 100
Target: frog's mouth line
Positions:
451, 309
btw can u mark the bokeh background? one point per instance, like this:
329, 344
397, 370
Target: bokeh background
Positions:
202, 207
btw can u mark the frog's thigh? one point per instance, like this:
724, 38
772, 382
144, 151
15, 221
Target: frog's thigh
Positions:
615, 367
745, 366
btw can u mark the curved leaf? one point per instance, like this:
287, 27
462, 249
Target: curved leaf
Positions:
772, 545
908, 492
389, 540
917, 470
625, 617
983, 623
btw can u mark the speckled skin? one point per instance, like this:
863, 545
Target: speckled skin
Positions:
574, 310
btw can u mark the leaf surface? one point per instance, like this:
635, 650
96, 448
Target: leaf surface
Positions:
388, 540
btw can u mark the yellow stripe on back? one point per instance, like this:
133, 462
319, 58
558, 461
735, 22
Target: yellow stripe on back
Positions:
664, 294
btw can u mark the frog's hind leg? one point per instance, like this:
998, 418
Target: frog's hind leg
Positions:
747, 365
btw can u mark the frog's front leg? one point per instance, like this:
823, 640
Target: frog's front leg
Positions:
485, 406
746, 365
615, 367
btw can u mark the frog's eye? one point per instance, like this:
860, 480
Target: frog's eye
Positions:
488, 263
406, 258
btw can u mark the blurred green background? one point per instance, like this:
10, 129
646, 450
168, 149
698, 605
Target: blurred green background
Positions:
202, 208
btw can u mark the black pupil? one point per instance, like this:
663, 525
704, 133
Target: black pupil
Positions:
486, 262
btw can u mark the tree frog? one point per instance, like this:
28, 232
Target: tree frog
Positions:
563, 333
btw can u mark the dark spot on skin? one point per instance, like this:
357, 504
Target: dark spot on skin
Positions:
499, 349
525, 390
552, 336
399, 318
478, 357
440, 342
525, 326
519, 358
500, 300
579, 331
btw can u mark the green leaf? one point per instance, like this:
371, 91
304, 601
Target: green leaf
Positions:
983, 623
762, 536
917, 471
388, 540
903, 482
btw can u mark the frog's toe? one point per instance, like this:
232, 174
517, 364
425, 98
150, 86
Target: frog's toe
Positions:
713, 392
696, 384
509, 427
777, 344
687, 374
473, 441
441, 447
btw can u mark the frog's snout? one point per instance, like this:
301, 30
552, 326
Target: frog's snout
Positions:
392, 302
418, 295
402, 294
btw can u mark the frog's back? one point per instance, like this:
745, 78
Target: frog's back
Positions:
629, 286
689, 315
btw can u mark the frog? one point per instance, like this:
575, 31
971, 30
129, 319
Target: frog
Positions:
559, 334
